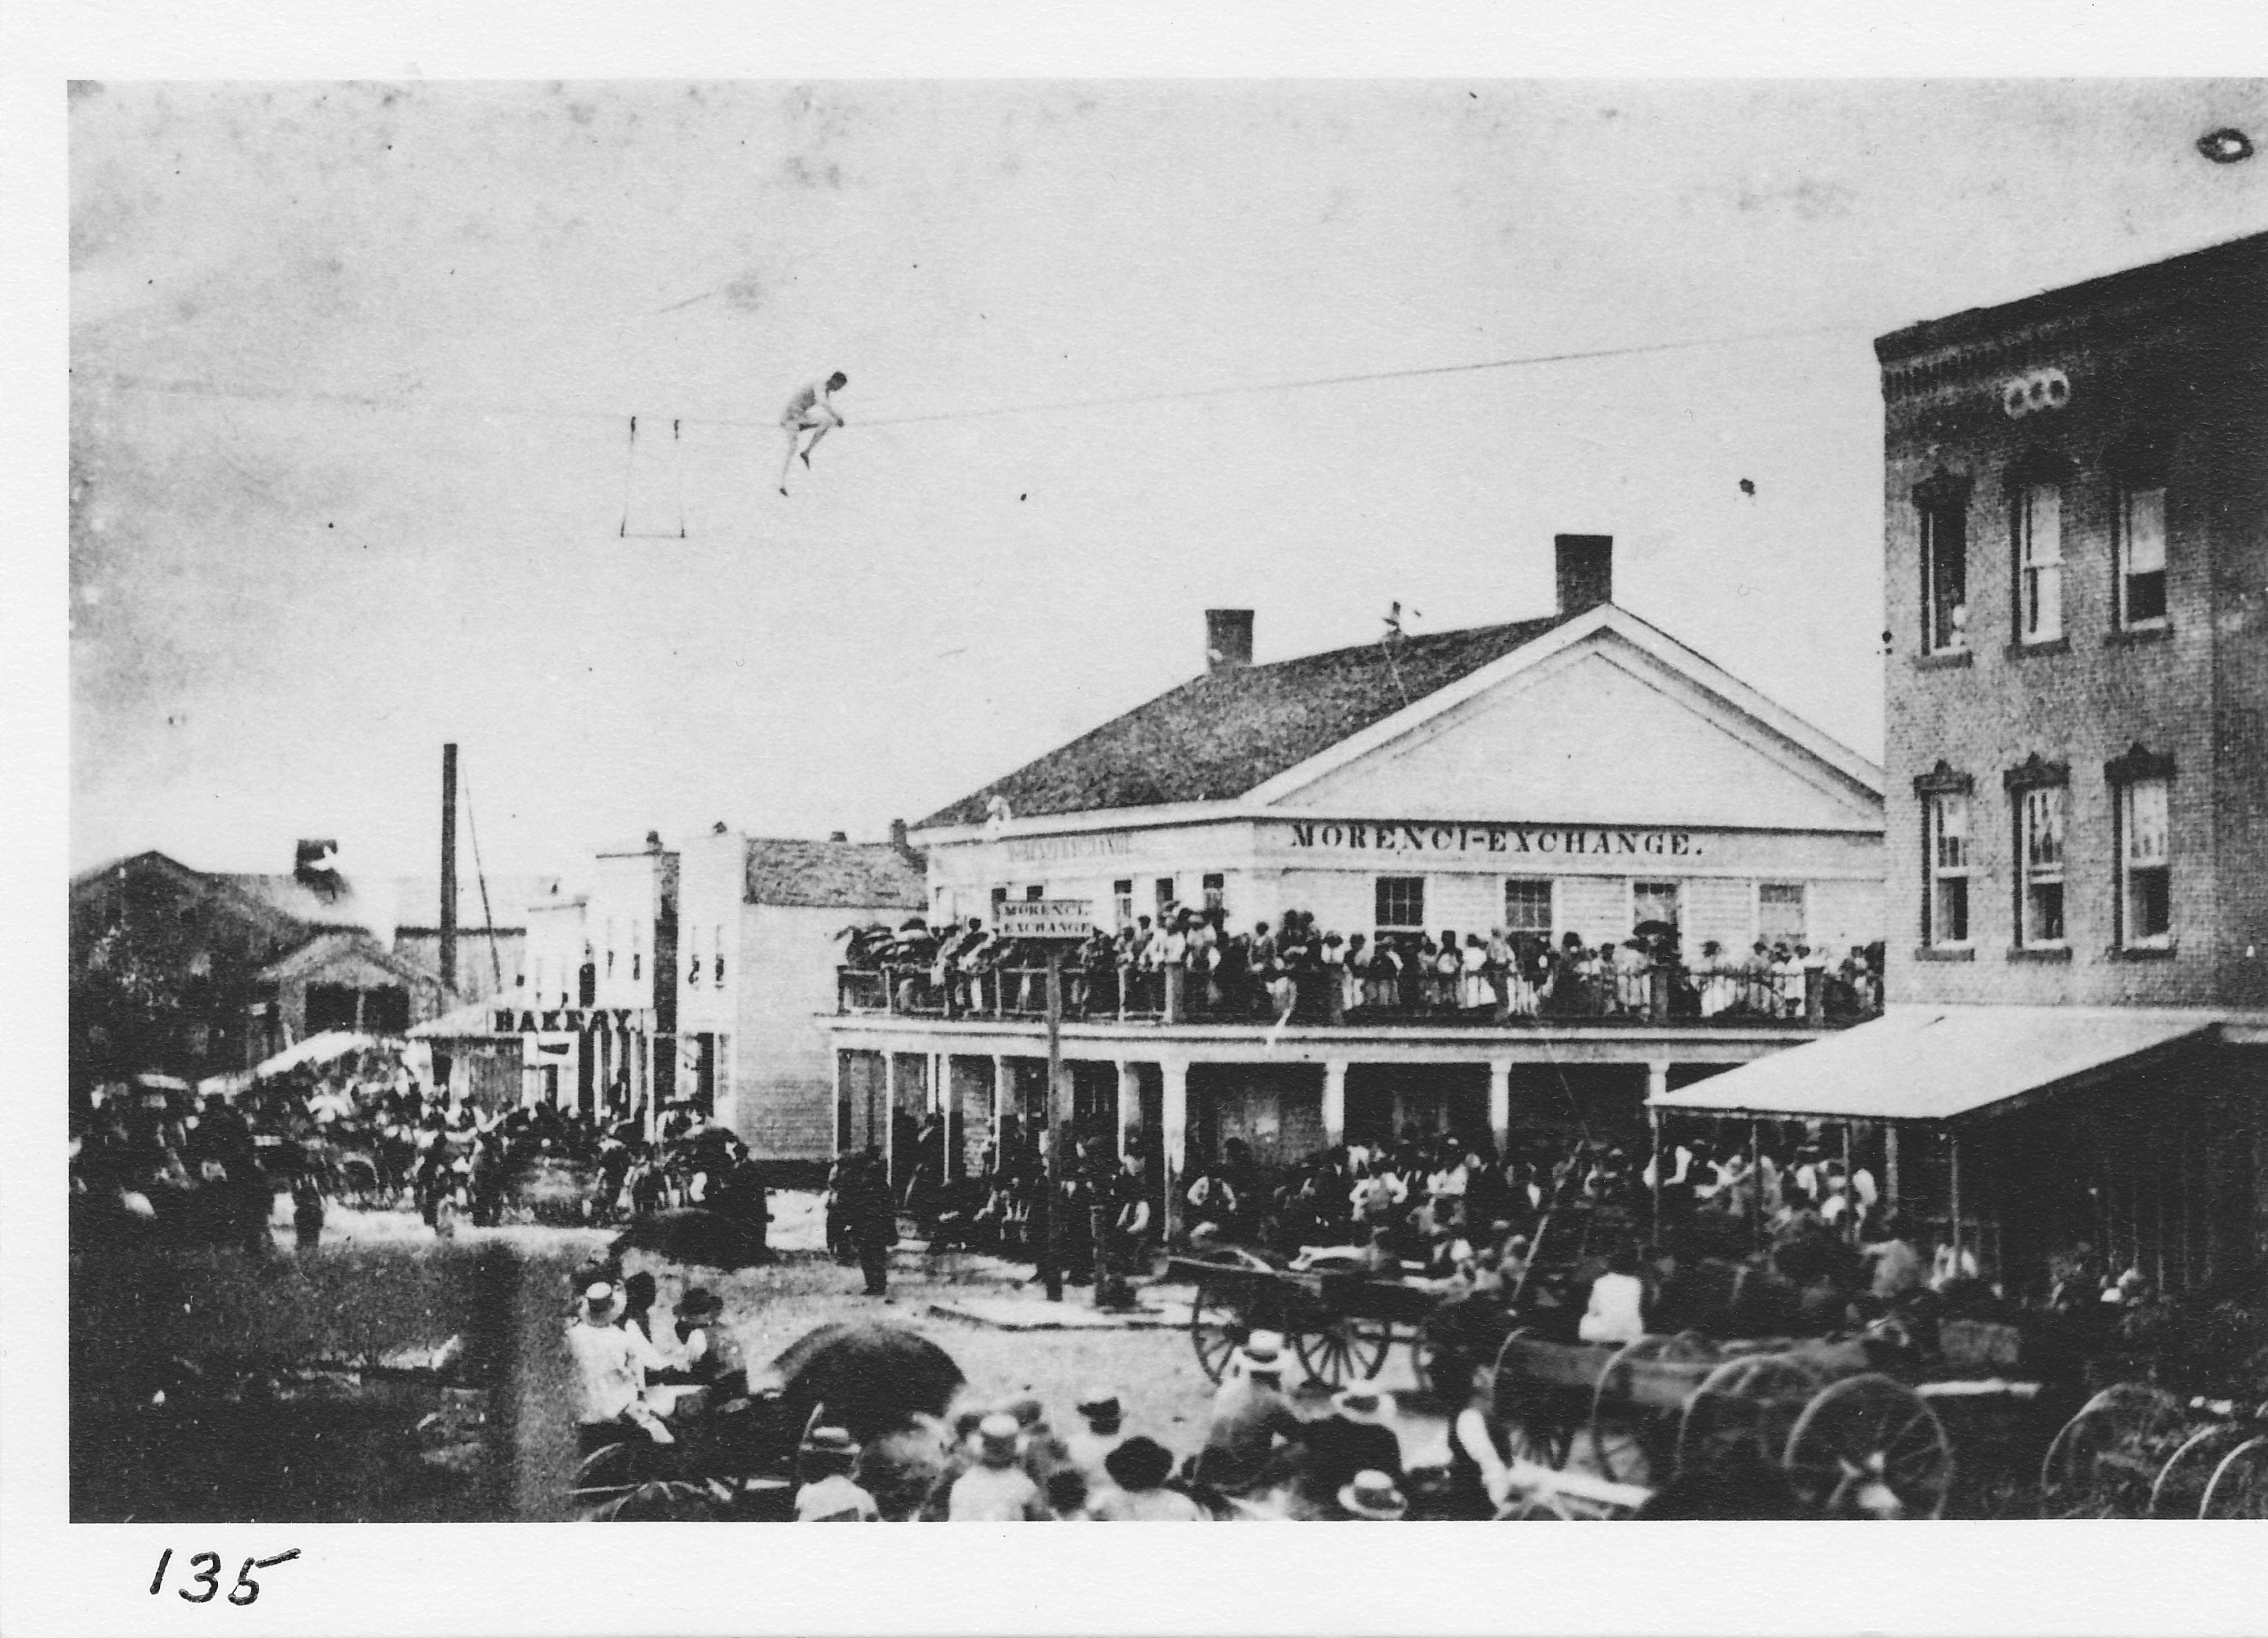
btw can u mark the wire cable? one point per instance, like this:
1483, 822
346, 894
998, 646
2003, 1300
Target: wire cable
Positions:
369, 401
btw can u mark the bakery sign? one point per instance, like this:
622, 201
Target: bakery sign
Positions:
570, 1020
1427, 837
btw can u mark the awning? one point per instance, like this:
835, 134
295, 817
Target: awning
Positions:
326, 1047
1939, 1063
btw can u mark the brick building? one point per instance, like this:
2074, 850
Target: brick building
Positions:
2076, 563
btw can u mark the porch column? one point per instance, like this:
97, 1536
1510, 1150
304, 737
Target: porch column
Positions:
1004, 1103
1499, 1117
1129, 1100
1335, 1075
835, 1109
1175, 1120
889, 1122
1657, 1080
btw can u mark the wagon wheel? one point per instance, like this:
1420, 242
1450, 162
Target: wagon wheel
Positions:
2240, 1484
1220, 1318
1535, 1414
1425, 1350
1330, 1349
2179, 1491
1871, 1445
1750, 1404
1621, 1453
2105, 1460
616, 1470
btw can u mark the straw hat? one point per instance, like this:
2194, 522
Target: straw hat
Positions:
1262, 1352
1373, 1494
996, 1439
601, 1302
1363, 1405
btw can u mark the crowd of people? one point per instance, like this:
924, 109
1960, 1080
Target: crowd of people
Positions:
1187, 962
158, 1161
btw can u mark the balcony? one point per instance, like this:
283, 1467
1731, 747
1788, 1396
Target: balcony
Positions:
1651, 997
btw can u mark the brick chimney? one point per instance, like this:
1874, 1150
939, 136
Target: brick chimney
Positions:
839, 836
1585, 564
898, 836
1228, 639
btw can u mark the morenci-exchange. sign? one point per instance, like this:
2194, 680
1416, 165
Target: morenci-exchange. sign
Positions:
1043, 918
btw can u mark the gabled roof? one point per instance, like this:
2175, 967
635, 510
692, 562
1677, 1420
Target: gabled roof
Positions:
844, 875
343, 948
1218, 736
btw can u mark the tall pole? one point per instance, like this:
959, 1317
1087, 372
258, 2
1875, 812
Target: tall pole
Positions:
449, 867
1054, 1246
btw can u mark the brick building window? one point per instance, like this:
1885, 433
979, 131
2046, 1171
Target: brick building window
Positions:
1401, 905
1528, 904
720, 954
1948, 905
1779, 913
1945, 797
2145, 867
1164, 891
2037, 518
1215, 891
2142, 785
1036, 892
2039, 794
1122, 897
1942, 502
2141, 556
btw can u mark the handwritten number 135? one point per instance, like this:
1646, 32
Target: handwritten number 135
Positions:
209, 1577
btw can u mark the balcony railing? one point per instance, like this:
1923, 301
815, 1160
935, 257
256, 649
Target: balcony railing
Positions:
1654, 995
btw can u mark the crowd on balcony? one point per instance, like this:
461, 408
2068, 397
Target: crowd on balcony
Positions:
1187, 964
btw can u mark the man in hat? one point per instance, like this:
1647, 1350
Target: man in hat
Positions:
872, 1219
1136, 1471
997, 1490
712, 1358
1356, 1438
1372, 1495
1089, 1448
829, 1496
1249, 1413
610, 1365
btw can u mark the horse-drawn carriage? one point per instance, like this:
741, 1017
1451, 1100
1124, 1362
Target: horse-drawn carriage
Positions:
1865, 1425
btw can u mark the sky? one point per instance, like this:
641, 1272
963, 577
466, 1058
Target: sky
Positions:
354, 368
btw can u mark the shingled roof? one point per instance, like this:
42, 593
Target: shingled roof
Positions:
839, 875
1216, 736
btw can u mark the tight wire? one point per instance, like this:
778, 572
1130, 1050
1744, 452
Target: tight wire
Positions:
370, 401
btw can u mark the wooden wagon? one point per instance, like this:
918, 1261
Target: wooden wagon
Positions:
1852, 1438
1342, 1325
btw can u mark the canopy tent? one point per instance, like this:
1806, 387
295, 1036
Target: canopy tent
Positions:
1940, 1063
326, 1048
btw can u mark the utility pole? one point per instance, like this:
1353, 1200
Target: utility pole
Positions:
1055, 1236
449, 867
